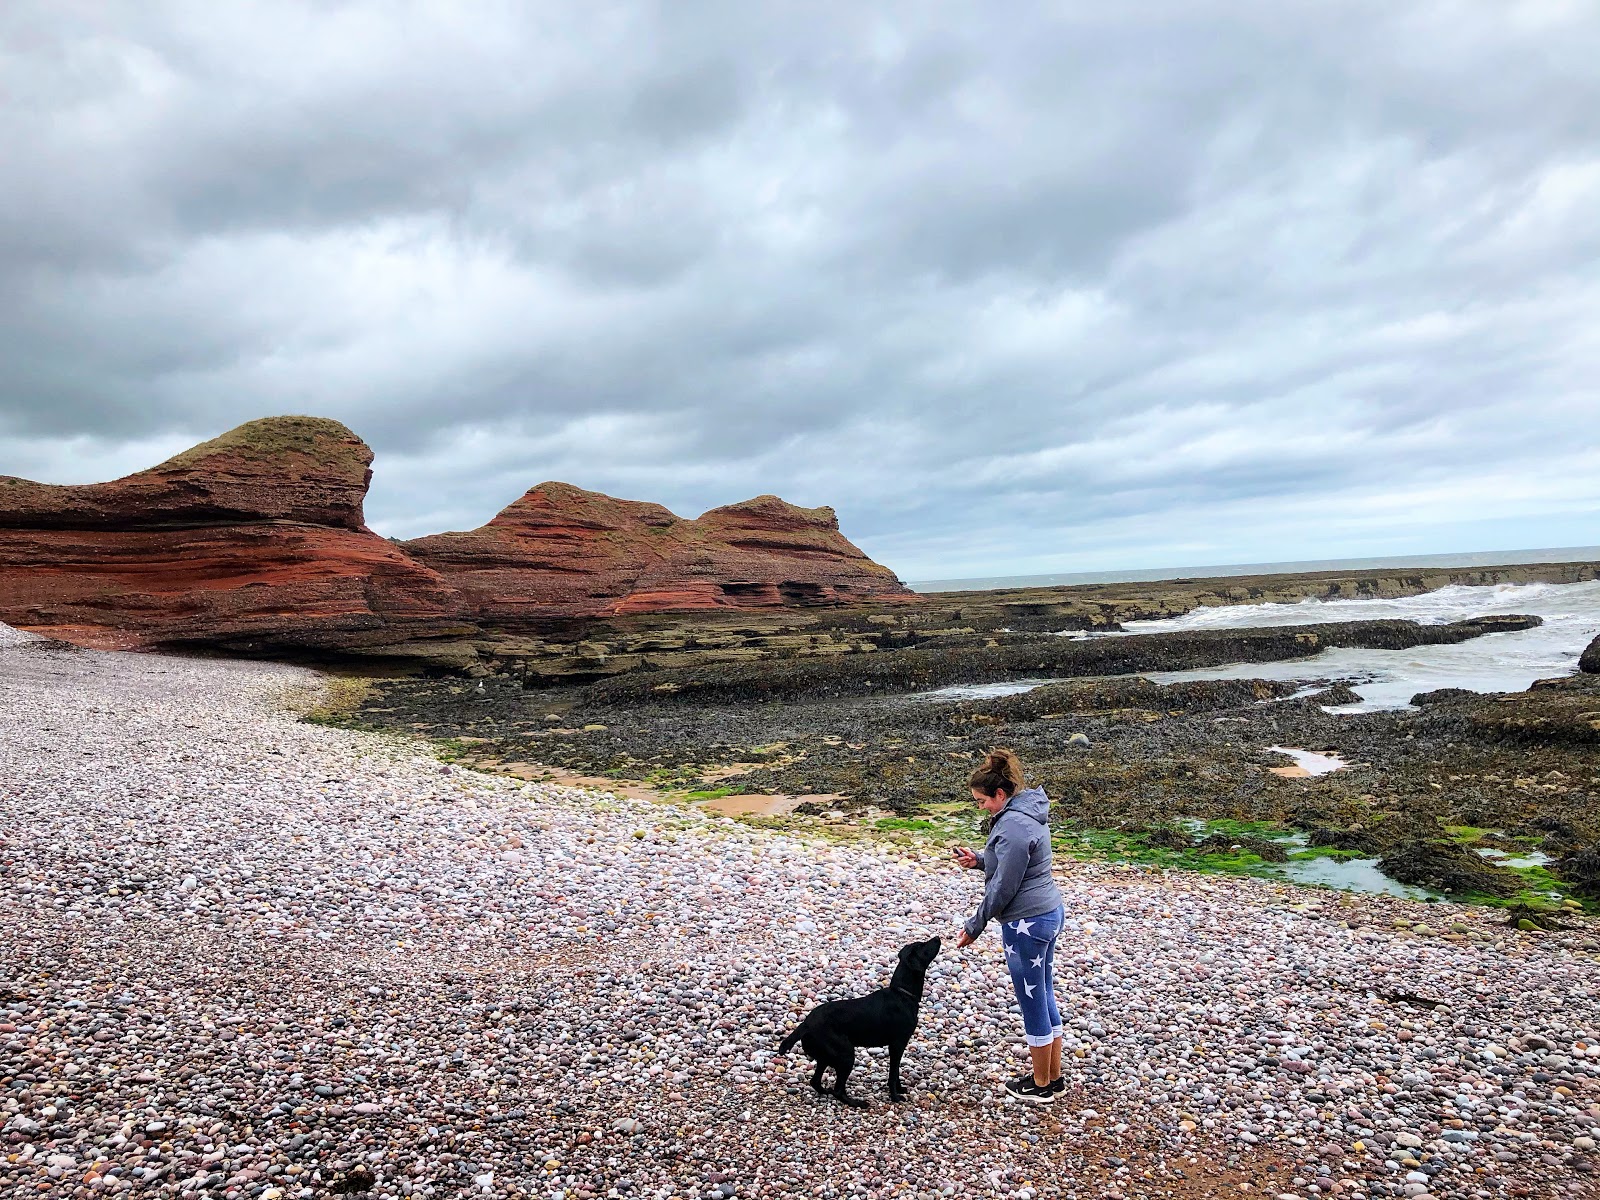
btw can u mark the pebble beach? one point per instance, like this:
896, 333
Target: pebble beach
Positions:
246, 956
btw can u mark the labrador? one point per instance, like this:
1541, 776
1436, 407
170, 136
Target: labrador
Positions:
832, 1031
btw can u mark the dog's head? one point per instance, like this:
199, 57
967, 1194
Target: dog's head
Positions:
919, 956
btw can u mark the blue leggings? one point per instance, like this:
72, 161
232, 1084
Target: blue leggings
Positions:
1031, 958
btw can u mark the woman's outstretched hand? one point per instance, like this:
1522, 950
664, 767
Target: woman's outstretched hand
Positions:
963, 940
965, 857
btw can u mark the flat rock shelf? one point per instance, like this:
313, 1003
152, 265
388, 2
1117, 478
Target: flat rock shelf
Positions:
242, 955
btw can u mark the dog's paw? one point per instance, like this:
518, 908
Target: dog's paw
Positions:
898, 1097
855, 1102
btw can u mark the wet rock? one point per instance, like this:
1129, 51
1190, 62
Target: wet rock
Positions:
1166, 837
1362, 841
1589, 660
1264, 848
1581, 868
1445, 866
1443, 696
357, 1179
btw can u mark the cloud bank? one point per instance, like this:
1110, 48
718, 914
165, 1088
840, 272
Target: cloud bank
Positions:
1043, 288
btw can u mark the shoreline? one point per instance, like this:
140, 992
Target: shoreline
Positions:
318, 950
1472, 796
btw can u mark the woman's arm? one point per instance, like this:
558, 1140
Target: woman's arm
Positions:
1011, 863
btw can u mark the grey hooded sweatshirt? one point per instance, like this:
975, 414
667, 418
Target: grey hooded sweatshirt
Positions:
1016, 863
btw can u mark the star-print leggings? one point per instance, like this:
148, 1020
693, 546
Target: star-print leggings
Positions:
1031, 958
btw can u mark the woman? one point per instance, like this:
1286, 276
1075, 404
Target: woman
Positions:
1019, 892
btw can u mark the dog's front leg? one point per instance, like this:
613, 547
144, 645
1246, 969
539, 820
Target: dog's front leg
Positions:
896, 1053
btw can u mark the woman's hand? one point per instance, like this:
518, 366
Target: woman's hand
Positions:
963, 940
966, 857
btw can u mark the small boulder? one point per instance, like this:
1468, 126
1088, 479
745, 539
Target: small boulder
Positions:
1589, 661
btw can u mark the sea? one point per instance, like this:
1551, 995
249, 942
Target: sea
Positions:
1486, 558
1387, 679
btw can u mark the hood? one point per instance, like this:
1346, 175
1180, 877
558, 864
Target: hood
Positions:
1031, 803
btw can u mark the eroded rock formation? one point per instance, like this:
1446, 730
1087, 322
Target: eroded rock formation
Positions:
562, 553
252, 543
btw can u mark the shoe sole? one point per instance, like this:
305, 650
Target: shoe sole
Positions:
1043, 1098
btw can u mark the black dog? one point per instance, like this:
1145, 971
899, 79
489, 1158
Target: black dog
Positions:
887, 1017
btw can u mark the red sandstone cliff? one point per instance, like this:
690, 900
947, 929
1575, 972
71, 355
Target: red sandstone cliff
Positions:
254, 543
561, 552
251, 542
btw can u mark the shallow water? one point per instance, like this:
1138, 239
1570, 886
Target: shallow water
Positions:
983, 691
1387, 679
1307, 762
1527, 858
1350, 875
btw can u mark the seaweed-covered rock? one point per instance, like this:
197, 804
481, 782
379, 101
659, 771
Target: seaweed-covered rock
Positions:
1166, 837
1264, 848
1128, 694
1335, 694
1581, 868
1362, 841
1447, 867
1038, 656
1443, 696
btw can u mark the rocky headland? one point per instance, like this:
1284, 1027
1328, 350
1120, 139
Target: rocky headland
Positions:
255, 544
561, 556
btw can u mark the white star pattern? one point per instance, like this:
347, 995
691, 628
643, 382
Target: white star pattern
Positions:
1028, 987
1011, 950
1023, 927
1039, 962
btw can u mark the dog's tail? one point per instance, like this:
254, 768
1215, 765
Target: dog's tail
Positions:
799, 1030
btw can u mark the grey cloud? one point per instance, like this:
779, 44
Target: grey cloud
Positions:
1074, 287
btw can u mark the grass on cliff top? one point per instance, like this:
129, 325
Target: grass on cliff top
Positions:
318, 438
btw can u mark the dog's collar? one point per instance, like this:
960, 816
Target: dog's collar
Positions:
903, 991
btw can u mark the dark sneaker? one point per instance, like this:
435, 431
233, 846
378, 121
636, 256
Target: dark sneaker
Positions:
1057, 1085
1024, 1088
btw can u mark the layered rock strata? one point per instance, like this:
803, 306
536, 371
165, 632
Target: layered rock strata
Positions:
561, 555
251, 543
255, 543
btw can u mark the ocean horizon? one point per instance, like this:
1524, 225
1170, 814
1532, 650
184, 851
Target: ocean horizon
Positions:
1484, 558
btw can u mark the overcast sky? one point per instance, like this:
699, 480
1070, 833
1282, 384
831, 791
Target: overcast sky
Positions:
1015, 288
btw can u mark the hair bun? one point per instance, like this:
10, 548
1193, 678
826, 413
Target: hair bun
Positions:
1001, 770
